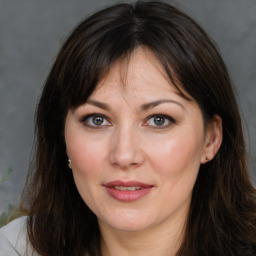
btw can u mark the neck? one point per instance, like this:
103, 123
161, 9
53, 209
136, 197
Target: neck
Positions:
163, 240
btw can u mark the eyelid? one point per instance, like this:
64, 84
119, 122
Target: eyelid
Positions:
86, 117
169, 118
162, 115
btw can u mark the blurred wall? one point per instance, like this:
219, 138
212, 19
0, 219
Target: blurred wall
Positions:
31, 32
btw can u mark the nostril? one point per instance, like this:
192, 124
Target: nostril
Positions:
126, 159
125, 149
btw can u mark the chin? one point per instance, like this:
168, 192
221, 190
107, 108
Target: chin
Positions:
129, 227
128, 223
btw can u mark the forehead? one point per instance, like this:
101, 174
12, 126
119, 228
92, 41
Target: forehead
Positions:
141, 71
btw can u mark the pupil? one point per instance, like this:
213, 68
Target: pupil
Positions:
159, 121
97, 120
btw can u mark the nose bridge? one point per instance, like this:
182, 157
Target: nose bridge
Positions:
125, 146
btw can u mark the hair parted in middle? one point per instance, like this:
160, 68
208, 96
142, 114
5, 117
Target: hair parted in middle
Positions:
59, 222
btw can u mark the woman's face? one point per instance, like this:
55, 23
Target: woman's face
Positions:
136, 146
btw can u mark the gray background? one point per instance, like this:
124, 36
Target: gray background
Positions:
31, 33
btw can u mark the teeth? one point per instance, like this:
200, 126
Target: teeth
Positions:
127, 188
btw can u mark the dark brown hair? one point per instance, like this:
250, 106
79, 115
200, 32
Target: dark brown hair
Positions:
222, 215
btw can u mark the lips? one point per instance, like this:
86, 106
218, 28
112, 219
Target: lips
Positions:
127, 188
127, 191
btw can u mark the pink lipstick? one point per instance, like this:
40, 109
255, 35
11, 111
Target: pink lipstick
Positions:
127, 191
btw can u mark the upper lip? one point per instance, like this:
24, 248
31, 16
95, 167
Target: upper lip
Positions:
131, 183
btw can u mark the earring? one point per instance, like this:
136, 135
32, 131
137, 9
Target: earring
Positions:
69, 164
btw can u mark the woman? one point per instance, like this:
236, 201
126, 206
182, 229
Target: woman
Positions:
139, 147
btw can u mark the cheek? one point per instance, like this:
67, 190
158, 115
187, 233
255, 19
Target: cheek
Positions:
176, 163
177, 155
86, 162
86, 154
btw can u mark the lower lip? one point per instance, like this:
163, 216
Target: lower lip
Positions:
127, 195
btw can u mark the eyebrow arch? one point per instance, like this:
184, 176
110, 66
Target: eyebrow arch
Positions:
144, 107
152, 104
98, 104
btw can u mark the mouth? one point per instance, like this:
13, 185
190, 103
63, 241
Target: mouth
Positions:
127, 188
127, 191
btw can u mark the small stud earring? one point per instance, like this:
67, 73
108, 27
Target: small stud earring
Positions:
69, 164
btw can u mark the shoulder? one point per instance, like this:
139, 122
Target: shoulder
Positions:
13, 238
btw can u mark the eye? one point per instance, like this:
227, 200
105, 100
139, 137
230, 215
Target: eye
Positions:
95, 120
159, 121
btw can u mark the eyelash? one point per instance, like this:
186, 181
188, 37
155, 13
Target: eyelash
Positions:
167, 118
87, 117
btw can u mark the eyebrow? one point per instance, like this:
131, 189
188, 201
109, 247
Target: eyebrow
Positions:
153, 104
98, 104
144, 107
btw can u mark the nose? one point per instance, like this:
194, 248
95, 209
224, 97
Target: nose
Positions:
126, 148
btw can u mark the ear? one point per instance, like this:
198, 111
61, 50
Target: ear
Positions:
213, 139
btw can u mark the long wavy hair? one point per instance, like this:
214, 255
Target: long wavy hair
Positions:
222, 215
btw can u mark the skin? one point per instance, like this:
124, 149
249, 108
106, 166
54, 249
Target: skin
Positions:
129, 144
